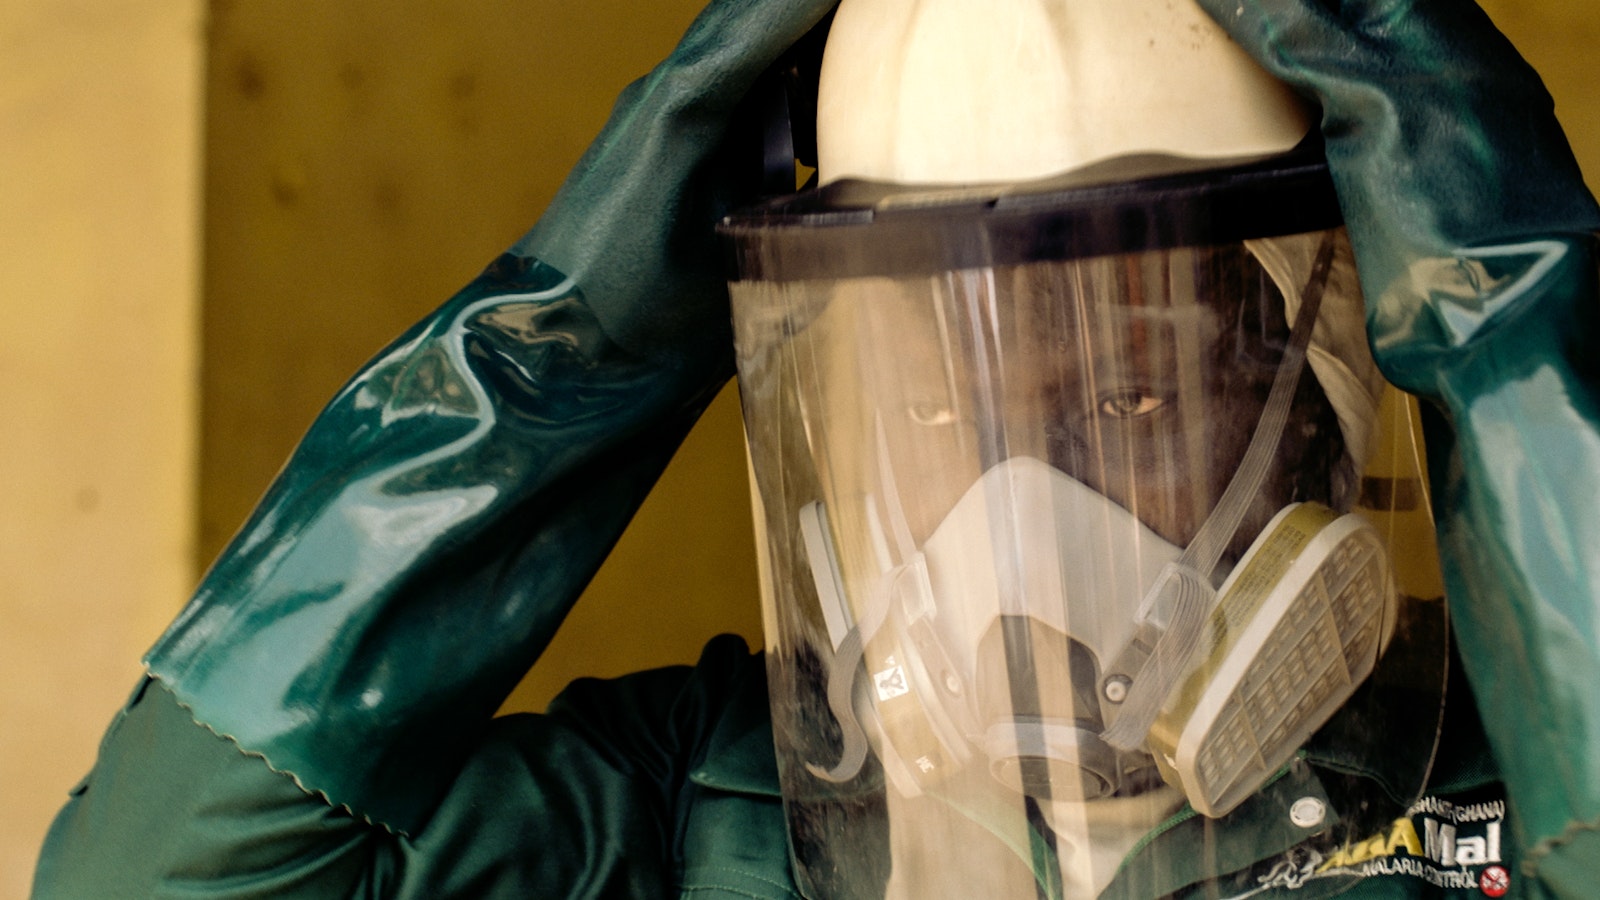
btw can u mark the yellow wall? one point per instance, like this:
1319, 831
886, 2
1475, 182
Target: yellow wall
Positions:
362, 160
99, 238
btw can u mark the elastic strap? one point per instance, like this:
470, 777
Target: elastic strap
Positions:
1185, 584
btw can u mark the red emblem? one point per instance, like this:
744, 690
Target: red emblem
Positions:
1495, 881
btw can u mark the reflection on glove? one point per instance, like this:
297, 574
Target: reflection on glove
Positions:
449, 505
1474, 235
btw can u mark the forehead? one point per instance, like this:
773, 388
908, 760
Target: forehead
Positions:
1166, 309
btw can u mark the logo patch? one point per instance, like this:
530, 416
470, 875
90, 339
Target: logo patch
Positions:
1450, 845
891, 682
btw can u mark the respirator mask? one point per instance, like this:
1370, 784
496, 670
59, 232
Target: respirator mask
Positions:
1053, 484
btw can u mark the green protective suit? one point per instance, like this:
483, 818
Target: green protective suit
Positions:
318, 722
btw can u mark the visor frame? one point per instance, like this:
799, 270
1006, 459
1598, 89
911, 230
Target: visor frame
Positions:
855, 228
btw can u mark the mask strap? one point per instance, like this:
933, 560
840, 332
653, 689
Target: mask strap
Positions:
1186, 582
847, 657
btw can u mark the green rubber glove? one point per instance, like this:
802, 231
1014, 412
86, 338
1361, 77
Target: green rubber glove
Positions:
449, 505
1474, 236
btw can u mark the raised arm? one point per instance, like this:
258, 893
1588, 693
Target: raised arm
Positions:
1475, 238
322, 707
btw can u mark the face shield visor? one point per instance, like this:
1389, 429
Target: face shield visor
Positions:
1054, 485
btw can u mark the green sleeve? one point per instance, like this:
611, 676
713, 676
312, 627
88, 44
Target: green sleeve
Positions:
589, 800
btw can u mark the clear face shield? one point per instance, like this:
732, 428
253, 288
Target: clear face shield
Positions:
1055, 490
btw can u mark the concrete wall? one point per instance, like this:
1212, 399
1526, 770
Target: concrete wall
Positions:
99, 252
362, 160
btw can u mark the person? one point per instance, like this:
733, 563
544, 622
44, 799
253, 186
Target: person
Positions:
319, 719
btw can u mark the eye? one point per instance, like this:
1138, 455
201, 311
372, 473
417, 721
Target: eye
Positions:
1130, 403
931, 414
